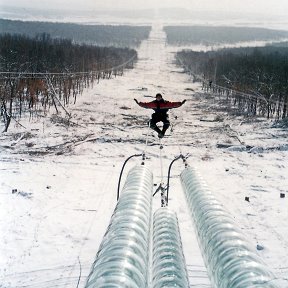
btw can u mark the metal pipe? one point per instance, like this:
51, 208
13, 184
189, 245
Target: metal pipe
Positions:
169, 268
122, 169
231, 260
123, 256
169, 171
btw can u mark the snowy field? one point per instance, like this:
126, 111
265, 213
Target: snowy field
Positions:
66, 177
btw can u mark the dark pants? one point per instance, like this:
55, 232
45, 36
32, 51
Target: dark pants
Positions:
159, 118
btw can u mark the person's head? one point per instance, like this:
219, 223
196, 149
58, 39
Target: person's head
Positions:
158, 97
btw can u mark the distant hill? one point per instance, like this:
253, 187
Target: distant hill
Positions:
100, 35
210, 35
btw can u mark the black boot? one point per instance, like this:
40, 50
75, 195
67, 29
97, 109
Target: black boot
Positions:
165, 127
154, 127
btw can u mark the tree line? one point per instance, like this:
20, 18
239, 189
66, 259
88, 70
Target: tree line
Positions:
254, 80
100, 35
38, 73
213, 35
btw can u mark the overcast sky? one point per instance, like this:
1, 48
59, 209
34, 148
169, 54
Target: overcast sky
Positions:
253, 6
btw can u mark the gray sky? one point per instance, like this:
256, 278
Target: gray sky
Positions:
272, 7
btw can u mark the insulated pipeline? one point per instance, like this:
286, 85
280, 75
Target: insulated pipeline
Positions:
169, 268
231, 261
123, 256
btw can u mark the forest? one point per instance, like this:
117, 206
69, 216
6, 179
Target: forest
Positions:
213, 35
252, 80
37, 73
100, 35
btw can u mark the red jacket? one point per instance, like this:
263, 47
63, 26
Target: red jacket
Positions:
161, 106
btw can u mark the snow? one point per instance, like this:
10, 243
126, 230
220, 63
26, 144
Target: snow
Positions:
66, 177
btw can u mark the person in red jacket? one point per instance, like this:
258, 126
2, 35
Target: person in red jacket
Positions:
161, 107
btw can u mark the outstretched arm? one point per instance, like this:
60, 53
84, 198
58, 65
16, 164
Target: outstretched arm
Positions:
148, 105
171, 105
162, 105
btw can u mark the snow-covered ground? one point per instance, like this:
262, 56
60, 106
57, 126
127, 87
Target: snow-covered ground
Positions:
66, 177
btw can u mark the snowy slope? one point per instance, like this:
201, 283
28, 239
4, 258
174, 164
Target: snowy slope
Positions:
66, 177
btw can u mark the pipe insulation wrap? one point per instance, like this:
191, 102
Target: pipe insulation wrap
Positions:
169, 268
231, 261
123, 257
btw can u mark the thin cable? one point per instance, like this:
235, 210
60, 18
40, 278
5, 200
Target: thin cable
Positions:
176, 138
163, 197
246, 95
184, 158
161, 162
179, 146
64, 74
146, 140
54, 95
